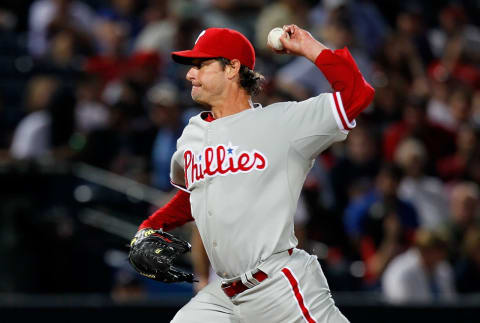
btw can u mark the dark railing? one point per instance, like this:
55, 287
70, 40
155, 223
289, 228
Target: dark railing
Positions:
358, 308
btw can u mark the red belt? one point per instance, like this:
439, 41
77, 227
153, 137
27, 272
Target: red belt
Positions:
236, 287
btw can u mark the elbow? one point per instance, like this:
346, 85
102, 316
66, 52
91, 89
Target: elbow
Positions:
364, 96
367, 94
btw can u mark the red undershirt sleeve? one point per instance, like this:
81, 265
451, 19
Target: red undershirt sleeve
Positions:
344, 76
173, 214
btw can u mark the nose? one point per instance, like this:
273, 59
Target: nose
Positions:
191, 74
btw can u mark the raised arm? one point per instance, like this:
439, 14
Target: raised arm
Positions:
338, 67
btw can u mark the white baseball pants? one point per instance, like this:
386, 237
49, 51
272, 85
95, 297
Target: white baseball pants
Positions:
295, 291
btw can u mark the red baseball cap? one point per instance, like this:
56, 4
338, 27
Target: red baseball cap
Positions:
219, 42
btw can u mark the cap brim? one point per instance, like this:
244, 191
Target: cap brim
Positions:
187, 56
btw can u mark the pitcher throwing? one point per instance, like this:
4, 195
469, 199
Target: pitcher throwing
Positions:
240, 168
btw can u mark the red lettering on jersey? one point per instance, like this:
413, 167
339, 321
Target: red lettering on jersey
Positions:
209, 155
261, 159
243, 161
188, 158
220, 160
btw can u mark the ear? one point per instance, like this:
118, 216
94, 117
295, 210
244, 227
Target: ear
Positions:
233, 68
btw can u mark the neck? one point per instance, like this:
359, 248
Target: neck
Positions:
231, 103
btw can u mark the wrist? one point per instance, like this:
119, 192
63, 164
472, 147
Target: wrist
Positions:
314, 50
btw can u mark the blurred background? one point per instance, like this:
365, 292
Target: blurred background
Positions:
91, 106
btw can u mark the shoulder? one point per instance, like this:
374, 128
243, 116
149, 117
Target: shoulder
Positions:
194, 127
275, 107
322, 98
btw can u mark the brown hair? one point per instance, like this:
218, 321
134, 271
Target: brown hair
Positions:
250, 80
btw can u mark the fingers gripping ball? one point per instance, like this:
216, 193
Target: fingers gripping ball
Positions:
273, 39
152, 253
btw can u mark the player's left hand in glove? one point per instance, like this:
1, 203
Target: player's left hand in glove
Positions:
152, 253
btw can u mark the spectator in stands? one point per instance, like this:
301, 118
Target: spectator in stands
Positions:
410, 25
387, 105
464, 213
31, 137
158, 34
438, 141
426, 193
124, 12
112, 148
166, 115
455, 112
458, 61
437, 107
380, 223
299, 77
421, 274
63, 58
46, 17
455, 166
47, 133
353, 174
111, 61
453, 22
398, 63
91, 113
468, 267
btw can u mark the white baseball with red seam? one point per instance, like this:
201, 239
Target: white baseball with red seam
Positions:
273, 38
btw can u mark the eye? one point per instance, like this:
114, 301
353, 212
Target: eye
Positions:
197, 64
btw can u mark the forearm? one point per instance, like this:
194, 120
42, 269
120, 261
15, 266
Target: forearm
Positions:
175, 213
342, 73
313, 50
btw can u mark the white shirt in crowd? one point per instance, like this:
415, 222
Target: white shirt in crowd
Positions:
32, 136
405, 280
429, 199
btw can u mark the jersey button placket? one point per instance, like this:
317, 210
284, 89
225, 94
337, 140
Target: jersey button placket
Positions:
208, 142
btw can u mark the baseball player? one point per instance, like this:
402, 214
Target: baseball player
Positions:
239, 168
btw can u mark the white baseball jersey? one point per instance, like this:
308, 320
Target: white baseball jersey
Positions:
245, 173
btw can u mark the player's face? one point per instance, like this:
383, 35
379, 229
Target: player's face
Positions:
208, 81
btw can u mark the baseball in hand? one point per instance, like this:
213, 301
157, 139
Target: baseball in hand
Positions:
273, 38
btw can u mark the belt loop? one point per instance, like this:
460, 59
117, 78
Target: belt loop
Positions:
246, 281
251, 279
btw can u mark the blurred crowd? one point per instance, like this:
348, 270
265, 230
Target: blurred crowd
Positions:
394, 208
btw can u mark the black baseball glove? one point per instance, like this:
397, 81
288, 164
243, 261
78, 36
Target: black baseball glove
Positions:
152, 253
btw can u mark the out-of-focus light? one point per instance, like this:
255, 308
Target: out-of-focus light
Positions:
83, 193
357, 269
